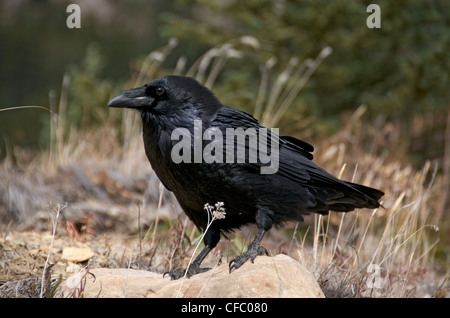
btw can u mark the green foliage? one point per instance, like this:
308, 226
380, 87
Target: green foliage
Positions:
88, 92
399, 70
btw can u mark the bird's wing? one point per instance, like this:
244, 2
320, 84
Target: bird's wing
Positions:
338, 195
293, 152
295, 164
233, 118
298, 145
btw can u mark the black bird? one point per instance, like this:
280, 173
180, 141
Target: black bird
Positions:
298, 187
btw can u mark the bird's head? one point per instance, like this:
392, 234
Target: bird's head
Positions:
169, 96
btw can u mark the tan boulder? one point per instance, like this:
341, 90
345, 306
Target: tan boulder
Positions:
278, 276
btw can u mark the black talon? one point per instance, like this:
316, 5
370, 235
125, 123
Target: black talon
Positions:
191, 270
211, 239
175, 274
254, 249
251, 254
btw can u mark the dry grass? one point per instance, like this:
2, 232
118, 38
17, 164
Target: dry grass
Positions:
117, 206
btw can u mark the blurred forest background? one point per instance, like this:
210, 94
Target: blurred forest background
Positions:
400, 72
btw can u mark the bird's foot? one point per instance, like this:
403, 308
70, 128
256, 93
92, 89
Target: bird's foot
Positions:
191, 270
251, 254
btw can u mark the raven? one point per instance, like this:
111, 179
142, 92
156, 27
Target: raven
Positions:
297, 187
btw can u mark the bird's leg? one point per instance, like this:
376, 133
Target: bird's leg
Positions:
264, 223
254, 249
193, 269
211, 239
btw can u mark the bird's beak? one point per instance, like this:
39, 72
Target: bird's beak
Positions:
132, 98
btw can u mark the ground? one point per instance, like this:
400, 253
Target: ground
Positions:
104, 197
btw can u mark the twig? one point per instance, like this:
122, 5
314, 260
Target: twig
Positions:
25, 107
58, 210
217, 213
139, 230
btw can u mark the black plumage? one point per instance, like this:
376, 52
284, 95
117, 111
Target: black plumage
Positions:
297, 188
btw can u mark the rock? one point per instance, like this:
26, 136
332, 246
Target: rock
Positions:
77, 254
278, 276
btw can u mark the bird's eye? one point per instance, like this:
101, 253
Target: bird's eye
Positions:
159, 90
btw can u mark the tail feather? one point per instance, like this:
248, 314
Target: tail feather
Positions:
354, 196
372, 193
